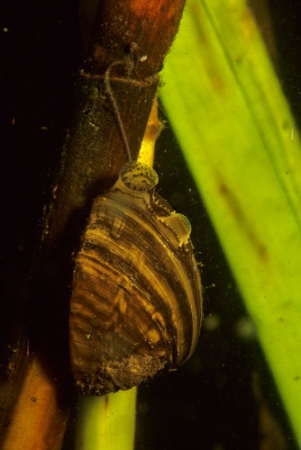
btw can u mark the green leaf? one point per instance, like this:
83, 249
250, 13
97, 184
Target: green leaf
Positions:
107, 422
225, 104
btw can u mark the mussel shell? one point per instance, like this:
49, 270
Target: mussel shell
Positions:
136, 302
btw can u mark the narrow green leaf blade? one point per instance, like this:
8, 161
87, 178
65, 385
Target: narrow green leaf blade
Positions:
107, 422
225, 103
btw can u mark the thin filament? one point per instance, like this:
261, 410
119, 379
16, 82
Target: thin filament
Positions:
109, 92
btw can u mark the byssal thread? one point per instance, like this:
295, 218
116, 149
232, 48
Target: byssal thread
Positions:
130, 67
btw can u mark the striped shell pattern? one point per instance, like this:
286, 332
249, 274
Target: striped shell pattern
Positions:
136, 302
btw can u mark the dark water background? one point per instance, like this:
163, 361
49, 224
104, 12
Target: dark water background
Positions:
215, 401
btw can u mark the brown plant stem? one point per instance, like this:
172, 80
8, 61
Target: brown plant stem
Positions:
39, 389
94, 151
